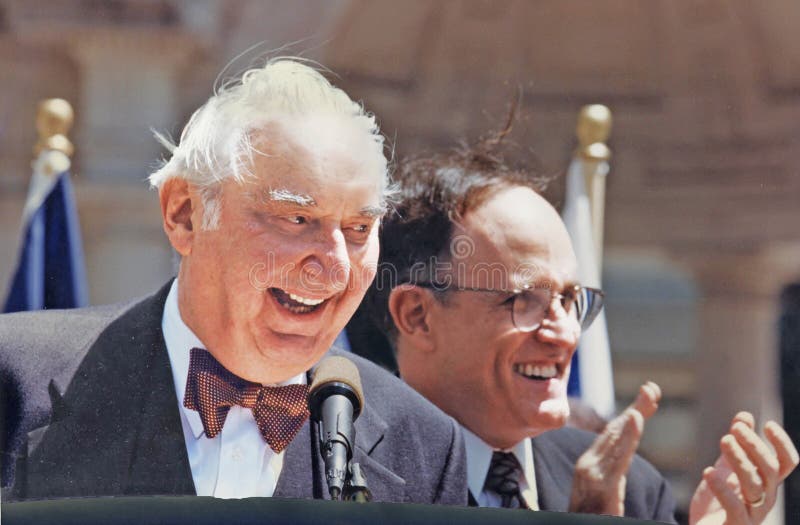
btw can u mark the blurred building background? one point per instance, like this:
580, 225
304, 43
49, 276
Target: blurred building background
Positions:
702, 203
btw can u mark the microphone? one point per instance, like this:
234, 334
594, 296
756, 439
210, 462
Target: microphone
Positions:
335, 400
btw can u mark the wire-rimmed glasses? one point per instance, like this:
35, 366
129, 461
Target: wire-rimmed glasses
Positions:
532, 304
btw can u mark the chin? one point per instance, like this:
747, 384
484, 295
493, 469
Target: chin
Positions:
553, 414
291, 351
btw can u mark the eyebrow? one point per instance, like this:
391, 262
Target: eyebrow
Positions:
372, 211
291, 197
548, 282
307, 201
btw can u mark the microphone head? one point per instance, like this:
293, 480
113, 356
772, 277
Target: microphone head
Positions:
336, 375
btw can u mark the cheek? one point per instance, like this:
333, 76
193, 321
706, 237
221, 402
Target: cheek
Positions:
364, 265
267, 266
365, 274
371, 250
470, 356
575, 330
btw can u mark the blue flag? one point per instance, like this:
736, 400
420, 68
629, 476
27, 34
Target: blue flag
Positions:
51, 272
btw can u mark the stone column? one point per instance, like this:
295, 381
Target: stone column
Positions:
129, 85
130, 80
738, 353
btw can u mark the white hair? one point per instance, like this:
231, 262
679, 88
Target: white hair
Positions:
216, 143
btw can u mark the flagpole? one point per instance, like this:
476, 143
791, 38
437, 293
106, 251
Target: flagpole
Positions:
592, 377
593, 130
52, 151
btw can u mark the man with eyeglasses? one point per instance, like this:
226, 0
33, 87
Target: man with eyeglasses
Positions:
477, 293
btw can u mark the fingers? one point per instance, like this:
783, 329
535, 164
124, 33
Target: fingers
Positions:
646, 402
784, 449
759, 470
735, 510
617, 444
746, 418
599, 476
744, 481
750, 481
598, 483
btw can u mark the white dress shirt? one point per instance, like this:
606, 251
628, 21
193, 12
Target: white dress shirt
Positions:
237, 462
479, 459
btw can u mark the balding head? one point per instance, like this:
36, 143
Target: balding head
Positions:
462, 348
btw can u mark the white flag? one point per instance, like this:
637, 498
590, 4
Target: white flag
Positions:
595, 382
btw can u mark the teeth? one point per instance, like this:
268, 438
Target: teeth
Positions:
303, 300
546, 371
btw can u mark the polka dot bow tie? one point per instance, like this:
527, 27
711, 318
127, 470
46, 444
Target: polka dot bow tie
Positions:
212, 390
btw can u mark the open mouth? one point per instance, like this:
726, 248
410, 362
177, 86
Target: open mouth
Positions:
536, 372
295, 303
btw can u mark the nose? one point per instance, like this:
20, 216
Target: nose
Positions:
327, 266
559, 328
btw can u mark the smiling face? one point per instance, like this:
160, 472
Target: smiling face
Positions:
503, 384
296, 248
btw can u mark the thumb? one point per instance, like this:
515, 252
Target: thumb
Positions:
646, 402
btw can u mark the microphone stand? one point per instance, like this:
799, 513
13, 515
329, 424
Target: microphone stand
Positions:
352, 481
356, 486
334, 401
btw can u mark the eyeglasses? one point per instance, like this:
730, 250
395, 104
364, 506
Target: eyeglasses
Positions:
531, 305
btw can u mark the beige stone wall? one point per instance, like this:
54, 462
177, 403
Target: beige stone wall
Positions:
702, 197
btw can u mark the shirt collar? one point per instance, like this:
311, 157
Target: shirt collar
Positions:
180, 339
479, 459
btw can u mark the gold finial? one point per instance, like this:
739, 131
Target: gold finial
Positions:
53, 120
594, 127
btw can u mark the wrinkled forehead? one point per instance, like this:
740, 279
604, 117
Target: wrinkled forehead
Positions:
518, 236
294, 162
317, 140
301, 154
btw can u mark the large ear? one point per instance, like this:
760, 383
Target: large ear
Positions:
177, 208
409, 307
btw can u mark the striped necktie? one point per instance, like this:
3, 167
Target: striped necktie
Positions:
503, 479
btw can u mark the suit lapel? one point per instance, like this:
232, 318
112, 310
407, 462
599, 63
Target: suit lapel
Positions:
159, 461
117, 429
553, 479
303, 474
371, 453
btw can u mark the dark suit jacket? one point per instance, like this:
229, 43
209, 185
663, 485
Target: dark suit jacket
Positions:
89, 409
647, 495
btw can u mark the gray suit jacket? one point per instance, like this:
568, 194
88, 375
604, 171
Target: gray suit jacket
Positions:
89, 409
647, 494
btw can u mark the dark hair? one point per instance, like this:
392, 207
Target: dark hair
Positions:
432, 192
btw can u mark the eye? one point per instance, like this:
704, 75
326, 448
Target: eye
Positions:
297, 219
569, 300
358, 232
509, 301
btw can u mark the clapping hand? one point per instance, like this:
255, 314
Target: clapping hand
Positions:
598, 485
742, 486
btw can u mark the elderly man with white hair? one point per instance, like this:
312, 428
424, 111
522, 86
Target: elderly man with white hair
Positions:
272, 198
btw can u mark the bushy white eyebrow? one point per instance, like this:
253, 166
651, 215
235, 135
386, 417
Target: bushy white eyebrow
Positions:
307, 201
287, 196
373, 211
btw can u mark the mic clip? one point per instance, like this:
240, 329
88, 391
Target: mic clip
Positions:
356, 487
